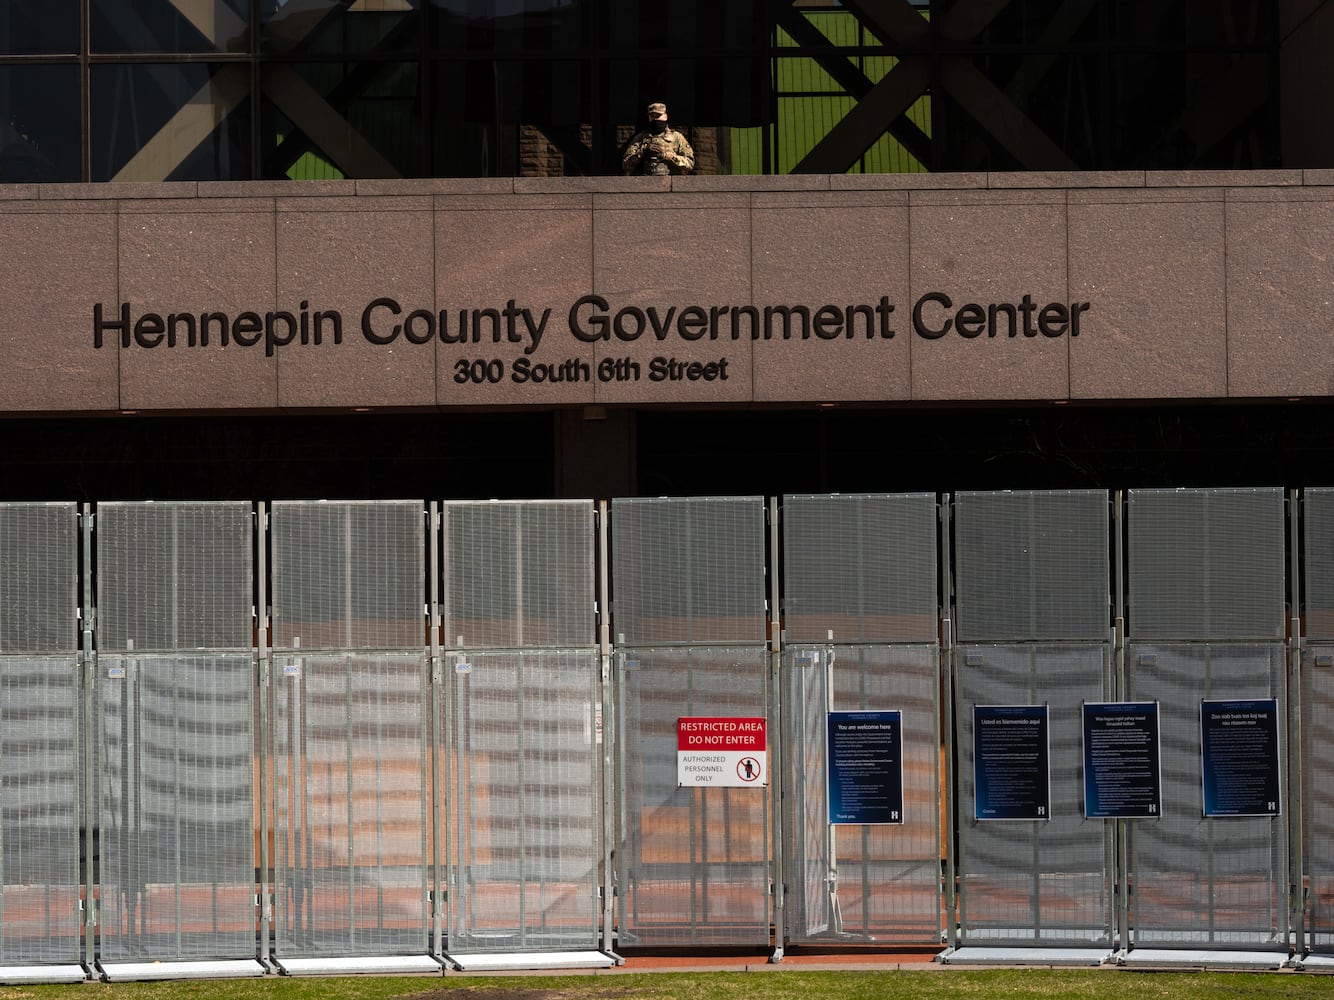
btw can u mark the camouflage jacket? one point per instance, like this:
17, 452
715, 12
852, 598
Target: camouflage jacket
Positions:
658, 153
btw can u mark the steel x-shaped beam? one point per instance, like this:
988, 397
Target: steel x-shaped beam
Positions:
230, 85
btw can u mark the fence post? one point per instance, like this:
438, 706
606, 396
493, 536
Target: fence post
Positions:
775, 730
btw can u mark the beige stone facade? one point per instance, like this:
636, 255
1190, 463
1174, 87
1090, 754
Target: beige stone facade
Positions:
795, 290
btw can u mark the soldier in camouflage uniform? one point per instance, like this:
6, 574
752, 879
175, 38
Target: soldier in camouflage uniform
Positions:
659, 149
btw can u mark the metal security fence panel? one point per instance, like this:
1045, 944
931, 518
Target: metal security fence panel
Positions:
350, 805
518, 575
523, 804
40, 735
349, 730
174, 576
688, 571
175, 739
1318, 793
1205, 564
1031, 566
1206, 621
859, 882
39, 575
39, 810
1202, 882
1033, 611
859, 568
1318, 553
523, 730
693, 863
1317, 715
1034, 882
348, 575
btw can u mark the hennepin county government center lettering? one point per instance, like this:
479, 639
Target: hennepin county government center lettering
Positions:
590, 319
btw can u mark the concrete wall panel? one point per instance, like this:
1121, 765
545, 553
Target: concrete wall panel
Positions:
1280, 294
687, 252
59, 262
984, 249
1152, 269
343, 255
840, 252
187, 258
528, 265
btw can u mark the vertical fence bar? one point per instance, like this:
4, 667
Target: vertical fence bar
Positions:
1296, 810
1117, 690
264, 746
947, 652
436, 695
92, 872
608, 729
776, 744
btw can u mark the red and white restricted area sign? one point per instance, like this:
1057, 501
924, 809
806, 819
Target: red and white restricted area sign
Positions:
721, 752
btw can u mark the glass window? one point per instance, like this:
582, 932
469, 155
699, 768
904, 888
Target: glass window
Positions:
163, 26
339, 27
686, 25
39, 124
559, 26
334, 119
48, 28
1164, 23
183, 121
515, 119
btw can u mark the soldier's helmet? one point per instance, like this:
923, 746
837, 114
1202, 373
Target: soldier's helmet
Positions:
657, 109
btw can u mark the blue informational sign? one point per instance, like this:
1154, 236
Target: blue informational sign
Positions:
865, 761
1239, 751
1122, 779
1011, 777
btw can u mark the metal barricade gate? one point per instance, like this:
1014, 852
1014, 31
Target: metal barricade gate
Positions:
41, 744
1032, 617
349, 710
693, 863
175, 740
860, 621
523, 798
1206, 622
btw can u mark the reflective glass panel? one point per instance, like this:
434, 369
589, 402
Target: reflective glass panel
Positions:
686, 25
29, 28
342, 119
161, 26
338, 27
39, 124
184, 121
561, 26
516, 119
